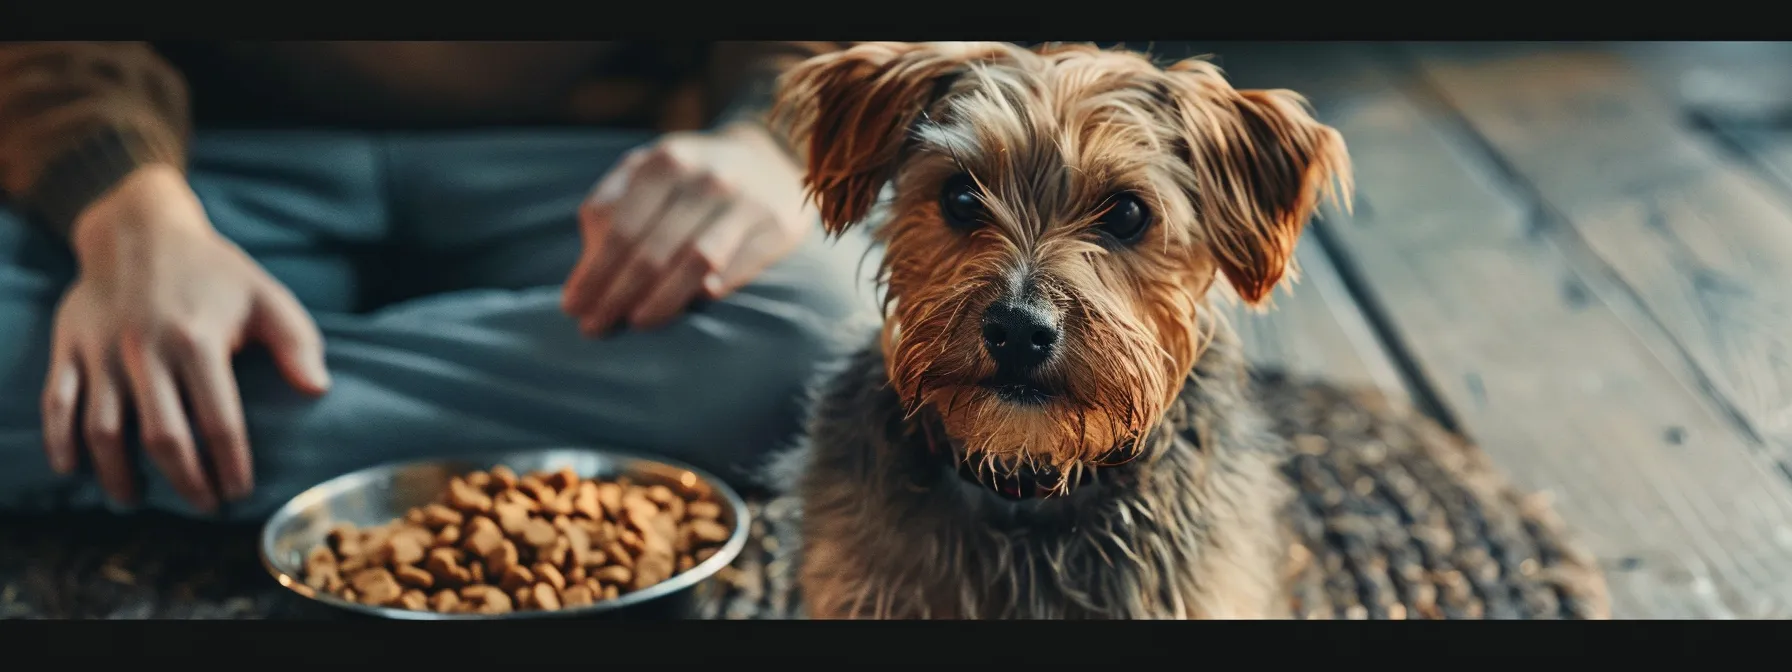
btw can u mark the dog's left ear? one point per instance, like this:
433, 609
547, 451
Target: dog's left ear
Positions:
848, 115
1262, 164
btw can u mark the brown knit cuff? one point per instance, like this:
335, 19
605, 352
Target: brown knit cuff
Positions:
88, 169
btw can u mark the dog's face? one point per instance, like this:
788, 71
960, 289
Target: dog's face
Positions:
1059, 217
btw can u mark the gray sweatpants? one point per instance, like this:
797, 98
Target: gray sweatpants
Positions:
432, 264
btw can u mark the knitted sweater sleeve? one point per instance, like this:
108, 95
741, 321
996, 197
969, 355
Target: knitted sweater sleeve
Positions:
76, 117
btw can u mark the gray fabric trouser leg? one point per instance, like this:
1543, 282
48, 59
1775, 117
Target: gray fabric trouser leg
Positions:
477, 231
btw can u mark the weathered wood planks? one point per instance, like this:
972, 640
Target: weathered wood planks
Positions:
1531, 340
1315, 329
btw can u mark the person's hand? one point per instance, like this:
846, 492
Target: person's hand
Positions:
693, 215
161, 303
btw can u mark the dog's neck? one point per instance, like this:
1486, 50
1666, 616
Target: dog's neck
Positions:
1022, 484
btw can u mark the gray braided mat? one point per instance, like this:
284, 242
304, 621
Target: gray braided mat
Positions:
1399, 519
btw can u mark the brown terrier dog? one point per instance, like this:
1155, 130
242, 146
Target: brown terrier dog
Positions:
1053, 422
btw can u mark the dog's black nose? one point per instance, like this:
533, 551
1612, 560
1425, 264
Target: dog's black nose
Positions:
1018, 337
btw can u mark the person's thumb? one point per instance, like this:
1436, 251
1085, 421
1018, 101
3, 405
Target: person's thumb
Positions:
289, 333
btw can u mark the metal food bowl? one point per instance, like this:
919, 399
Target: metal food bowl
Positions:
383, 494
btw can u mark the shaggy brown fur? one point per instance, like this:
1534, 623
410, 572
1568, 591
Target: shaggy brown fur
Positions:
1141, 395
1190, 530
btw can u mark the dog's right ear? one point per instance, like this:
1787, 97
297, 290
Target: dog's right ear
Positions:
1264, 164
848, 115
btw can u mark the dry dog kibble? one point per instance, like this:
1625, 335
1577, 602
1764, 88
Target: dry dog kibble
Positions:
516, 577
708, 533
584, 501
618, 556
377, 586
577, 596
613, 575
482, 537
475, 573
539, 533
503, 558
445, 602
609, 495
503, 477
498, 542
545, 597
704, 510
438, 516
414, 577
465, 497
485, 600
547, 573
403, 550
479, 479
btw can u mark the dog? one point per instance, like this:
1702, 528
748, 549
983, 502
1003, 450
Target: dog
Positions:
1053, 422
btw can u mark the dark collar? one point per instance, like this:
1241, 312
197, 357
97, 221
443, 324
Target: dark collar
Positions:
1026, 483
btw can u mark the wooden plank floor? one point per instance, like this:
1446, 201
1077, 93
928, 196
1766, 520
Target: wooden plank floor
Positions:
1581, 257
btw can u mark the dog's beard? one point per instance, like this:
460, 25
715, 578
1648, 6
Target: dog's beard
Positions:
1001, 438
1106, 392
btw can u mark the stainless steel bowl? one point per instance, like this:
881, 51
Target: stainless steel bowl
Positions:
382, 494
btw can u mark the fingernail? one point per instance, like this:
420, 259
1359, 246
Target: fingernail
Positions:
61, 464
712, 283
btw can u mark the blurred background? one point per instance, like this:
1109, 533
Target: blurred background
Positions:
1579, 255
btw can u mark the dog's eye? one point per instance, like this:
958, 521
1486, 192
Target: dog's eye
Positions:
960, 204
1125, 219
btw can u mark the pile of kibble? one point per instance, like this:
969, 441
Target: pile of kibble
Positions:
498, 543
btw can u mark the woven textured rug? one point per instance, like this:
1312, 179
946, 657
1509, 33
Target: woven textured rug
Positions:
1397, 519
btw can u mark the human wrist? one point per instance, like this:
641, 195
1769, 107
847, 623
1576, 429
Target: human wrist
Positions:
73, 177
134, 203
760, 136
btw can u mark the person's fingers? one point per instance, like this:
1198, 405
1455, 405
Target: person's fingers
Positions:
167, 441
672, 293
291, 336
703, 254
62, 394
217, 406
622, 206
102, 425
644, 192
624, 281
690, 208
597, 265
594, 230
